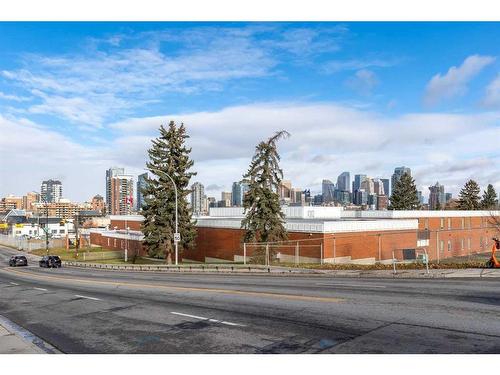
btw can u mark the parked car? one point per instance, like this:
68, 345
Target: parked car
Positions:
18, 260
50, 261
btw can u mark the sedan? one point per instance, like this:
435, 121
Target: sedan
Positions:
50, 261
18, 260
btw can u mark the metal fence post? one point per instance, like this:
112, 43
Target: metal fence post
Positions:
267, 254
334, 250
321, 253
297, 253
244, 253
379, 247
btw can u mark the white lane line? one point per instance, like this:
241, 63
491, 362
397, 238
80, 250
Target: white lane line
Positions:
207, 319
353, 285
13, 283
87, 297
41, 289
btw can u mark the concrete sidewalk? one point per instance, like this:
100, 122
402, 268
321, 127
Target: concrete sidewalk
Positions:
16, 340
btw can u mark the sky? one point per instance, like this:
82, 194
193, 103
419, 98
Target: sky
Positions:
78, 98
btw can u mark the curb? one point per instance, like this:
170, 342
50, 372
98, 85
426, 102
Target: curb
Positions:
28, 337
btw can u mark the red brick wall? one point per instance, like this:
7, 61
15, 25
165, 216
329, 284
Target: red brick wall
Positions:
133, 225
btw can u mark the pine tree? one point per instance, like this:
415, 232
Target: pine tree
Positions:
264, 220
469, 199
168, 156
405, 195
489, 200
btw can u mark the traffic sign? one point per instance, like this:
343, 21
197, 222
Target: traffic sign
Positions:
177, 237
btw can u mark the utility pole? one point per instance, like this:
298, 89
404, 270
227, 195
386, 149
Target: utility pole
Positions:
46, 228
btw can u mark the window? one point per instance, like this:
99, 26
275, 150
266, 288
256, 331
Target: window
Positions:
426, 223
449, 223
114, 242
61, 231
462, 244
108, 241
449, 245
121, 244
441, 246
442, 223
18, 232
463, 223
469, 243
54, 231
481, 242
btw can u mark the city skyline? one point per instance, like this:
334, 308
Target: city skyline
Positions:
352, 97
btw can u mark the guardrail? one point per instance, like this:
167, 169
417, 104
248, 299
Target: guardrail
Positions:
178, 269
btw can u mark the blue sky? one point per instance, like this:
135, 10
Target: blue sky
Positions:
76, 98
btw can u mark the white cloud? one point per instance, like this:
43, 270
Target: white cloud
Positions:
327, 139
109, 82
454, 82
15, 98
335, 66
363, 82
492, 97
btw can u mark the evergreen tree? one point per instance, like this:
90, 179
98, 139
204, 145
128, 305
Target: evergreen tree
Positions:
405, 195
168, 156
264, 220
489, 200
469, 199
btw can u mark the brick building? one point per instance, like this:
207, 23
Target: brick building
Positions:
328, 234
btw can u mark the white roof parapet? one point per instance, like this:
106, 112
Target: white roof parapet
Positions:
292, 212
415, 214
126, 217
319, 226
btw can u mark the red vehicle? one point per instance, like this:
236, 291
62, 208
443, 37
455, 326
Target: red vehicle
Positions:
494, 262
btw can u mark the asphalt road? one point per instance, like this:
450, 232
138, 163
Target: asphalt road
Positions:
94, 311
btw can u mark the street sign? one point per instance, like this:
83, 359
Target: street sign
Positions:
177, 237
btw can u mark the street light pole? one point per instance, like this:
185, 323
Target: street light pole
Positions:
46, 223
176, 234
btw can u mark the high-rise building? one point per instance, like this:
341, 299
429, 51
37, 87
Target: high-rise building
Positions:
97, 204
356, 184
141, 184
110, 174
385, 182
238, 192
436, 196
328, 191
119, 192
360, 197
398, 172
11, 203
197, 198
382, 202
51, 191
344, 182
29, 199
378, 186
285, 191
420, 197
368, 185
226, 199
448, 197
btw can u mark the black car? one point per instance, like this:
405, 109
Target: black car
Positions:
18, 260
50, 261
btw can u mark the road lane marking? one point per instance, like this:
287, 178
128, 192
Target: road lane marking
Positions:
13, 283
208, 319
41, 289
183, 288
354, 285
87, 297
